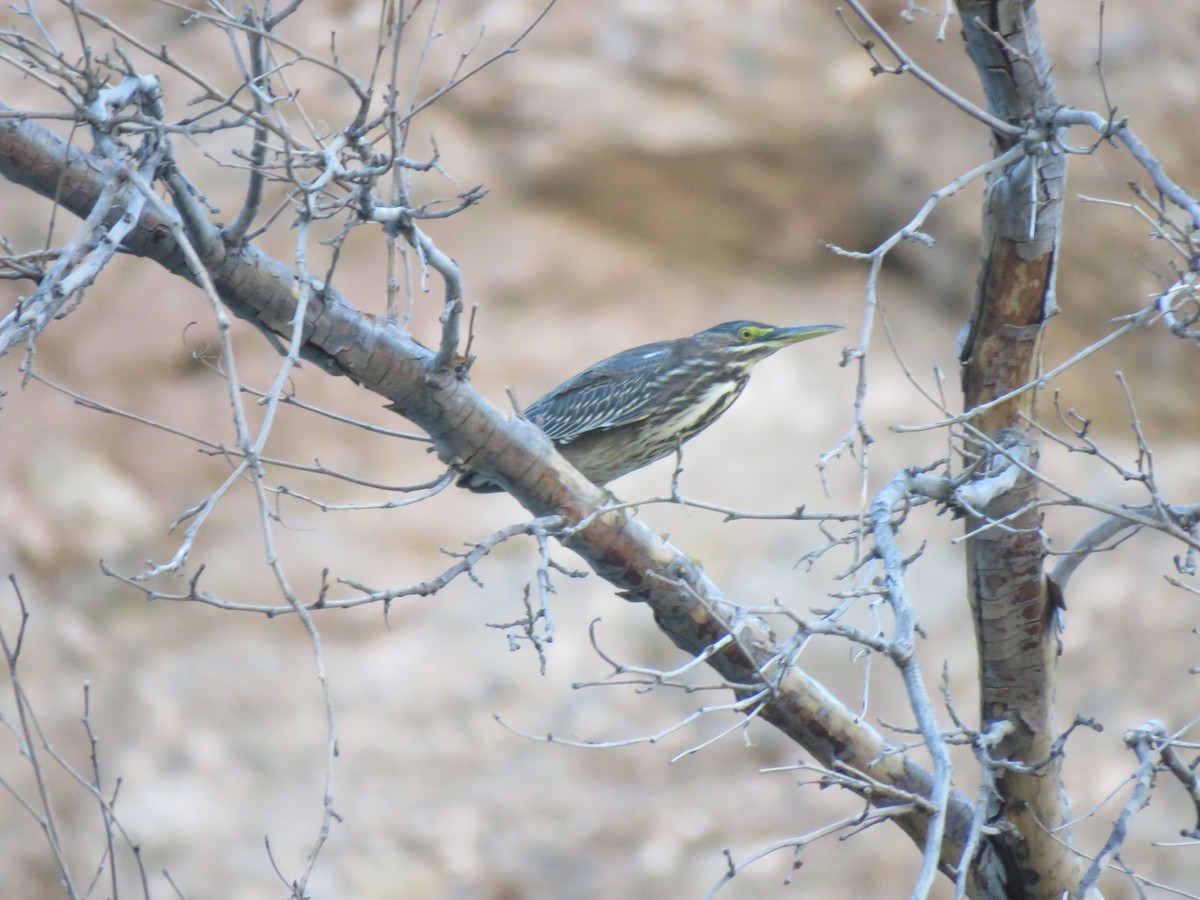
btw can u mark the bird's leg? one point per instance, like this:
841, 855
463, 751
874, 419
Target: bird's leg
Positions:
676, 496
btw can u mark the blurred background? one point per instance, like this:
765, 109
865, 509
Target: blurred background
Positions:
652, 169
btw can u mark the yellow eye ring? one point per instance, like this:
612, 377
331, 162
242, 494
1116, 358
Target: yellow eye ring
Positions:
745, 334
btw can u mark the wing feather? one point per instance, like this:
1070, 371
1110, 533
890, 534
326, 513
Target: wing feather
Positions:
609, 394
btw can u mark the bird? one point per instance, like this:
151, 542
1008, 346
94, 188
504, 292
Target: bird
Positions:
641, 404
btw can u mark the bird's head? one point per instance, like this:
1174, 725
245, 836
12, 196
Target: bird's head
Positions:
749, 342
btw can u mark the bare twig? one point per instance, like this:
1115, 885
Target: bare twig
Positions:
907, 65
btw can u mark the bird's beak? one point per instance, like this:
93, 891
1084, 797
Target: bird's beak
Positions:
782, 337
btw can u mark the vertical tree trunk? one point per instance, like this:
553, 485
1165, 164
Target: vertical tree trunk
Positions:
1013, 608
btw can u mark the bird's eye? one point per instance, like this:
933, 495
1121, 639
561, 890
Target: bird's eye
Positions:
745, 334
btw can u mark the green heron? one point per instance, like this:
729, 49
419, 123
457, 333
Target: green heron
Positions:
638, 406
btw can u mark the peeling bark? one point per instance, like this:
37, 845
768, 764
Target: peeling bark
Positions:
1012, 606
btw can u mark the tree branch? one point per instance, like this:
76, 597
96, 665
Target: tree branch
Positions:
466, 430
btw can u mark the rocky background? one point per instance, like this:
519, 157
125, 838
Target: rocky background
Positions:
653, 168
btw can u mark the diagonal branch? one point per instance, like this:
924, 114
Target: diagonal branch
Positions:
466, 429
